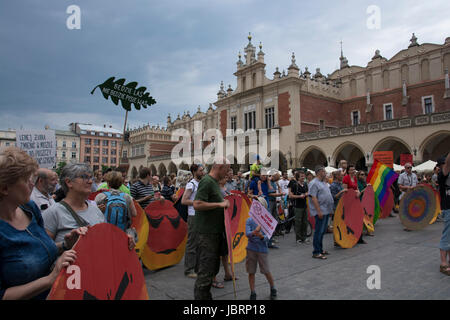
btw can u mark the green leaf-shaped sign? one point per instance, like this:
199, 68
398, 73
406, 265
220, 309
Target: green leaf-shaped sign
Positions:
127, 94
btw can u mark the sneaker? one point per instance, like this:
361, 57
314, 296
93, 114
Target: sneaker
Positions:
273, 293
192, 275
275, 240
300, 241
253, 296
271, 246
307, 241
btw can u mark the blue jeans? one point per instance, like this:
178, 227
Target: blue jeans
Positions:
445, 239
319, 231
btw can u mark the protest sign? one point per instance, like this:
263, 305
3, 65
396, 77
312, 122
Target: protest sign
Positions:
405, 158
385, 157
263, 218
40, 145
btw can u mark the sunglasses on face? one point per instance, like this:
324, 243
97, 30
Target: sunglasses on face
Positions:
85, 177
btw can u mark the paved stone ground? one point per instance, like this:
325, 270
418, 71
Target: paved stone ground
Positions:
409, 263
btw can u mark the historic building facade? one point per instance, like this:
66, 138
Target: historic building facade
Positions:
401, 104
98, 145
67, 146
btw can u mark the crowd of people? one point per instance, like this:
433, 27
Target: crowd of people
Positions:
42, 215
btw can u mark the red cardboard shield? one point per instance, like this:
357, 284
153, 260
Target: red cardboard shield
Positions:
244, 196
353, 213
388, 205
105, 269
167, 238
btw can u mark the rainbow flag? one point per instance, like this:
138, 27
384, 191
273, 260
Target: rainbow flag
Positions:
381, 178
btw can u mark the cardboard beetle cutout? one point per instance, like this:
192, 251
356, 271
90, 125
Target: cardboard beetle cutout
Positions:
105, 269
348, 220
167, 237
238, 213
140, 223
368, 203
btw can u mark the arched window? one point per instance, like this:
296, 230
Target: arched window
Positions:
425, 70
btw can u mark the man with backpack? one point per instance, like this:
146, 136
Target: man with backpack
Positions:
119, 206
190, 256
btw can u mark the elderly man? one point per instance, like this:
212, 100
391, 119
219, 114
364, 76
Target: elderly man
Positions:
209, 206
407, 180
45, 185
321, 207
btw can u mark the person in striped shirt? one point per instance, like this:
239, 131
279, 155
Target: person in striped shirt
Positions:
142, 190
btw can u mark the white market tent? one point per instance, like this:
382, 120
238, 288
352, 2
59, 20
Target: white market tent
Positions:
398, 167
426, 166
330, 169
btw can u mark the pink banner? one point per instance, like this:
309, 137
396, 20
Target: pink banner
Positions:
263, 218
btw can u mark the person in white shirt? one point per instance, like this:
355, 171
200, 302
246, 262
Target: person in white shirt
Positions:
45, 185
283, 183
407, 180
191, 257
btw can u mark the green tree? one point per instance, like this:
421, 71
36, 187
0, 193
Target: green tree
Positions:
59, 168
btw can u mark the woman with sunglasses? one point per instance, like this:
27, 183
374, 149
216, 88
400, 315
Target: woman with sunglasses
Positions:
75, 210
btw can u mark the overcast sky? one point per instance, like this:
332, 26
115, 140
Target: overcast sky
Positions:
180, 50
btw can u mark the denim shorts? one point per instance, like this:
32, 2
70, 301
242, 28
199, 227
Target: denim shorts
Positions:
445, 239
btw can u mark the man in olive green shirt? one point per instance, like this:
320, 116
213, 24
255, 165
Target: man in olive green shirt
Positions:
209, 206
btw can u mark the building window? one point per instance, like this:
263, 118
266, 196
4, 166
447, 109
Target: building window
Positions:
104, 159
110, 135
101, 134
87, 159
428, 104
105, 143
113, 144
355, 118
125, 154
250, 120
270, 117
113, 160
92, 133
64, 144
87, 141
83, 132
96, 159
63, 154
96, 150
118, 135
96, 142
105, 152
87, 150
321, 124
388, 111
74, 155
113, 152
233, 123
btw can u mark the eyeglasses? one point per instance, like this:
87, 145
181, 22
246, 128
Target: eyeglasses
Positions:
408, 167
85, 177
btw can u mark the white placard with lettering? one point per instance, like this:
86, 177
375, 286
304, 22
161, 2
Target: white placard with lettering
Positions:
263, 218
39, 144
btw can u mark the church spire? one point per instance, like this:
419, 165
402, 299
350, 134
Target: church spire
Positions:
344, 61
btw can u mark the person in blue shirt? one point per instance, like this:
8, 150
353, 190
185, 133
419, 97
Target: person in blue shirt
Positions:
29, 262
257, 255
